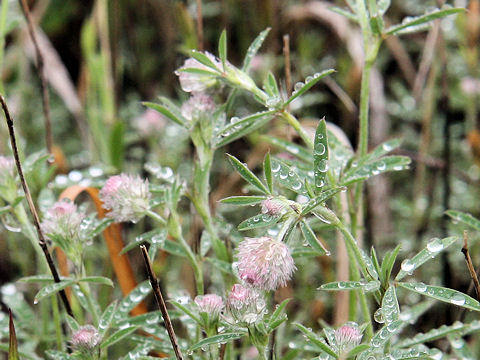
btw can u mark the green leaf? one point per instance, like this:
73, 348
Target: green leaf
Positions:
169, 110
203, 59
433, 248
457, 328
357, 350
97, 280
217, 339
253, 49
390, 308
12, 342
156, 236
72, 323
320, 199
248, 175
258, 221
351, 285
41, 278
117, 144
309, 82
222, 48
311, 238
350, 16
267, 172
382, 149
52, 289
132, 300
148, 319
315, 339
320, 154
381, 338
375, 167
383, 6
271, 88
302, 252
243, 127
277, 314
294, 149
117, 336
186, 311
58, 355
287, 177
221, 265
443, 294
460, 347
106, 318
243, 200
464, 218
412, 23
388, 262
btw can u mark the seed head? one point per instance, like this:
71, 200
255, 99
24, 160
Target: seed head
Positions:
210, 303
85, 339
264, 263
348, 336
127, 197
192, 82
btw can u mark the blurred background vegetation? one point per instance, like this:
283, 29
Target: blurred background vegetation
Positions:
103, 58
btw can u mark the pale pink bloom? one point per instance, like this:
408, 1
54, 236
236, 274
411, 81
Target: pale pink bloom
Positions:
63, 219
348, 336
245, 305
126, 197
470, 86
86, 338
251, 353
210, 303
264, 263
191, 82
198, 105
7, 167
150, 123
273, 207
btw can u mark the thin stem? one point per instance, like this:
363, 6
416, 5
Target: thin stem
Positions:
471, 268
3, 22
288, 73
41, 74
85, 289
41, 239
293, 122
161, 303
199, 25
364, 102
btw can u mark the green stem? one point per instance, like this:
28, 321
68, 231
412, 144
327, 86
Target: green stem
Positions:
57, 322
364, 102
156, 217
293, 122
85, 289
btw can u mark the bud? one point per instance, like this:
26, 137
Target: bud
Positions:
62, 220
264, 263
85, 339
347, 336
193, 82
150, 123
273, 207
245, 304
211, 304
198, 105
126, 197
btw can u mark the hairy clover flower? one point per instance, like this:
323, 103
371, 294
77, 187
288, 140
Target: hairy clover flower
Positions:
62, 220
195, 82
198, 105
85, 339
245, 305
347, 336
264, 263
126, 197
210, 303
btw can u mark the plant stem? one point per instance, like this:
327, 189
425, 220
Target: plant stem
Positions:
85, 289
292, 121
156, 217
3, 23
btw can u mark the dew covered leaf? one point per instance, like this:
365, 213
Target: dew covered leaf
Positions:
351, 285
267, 171
131, 300
106, 318
117, 336
301, 88
447, 295
52, 289
247, 174
294, 149
168, 109
243, 200
217, 339
155, 236
381, 338
222, 48
278, 314
287, 177
317, 340
320, 199
258, 221
375, 167
312, 239
253, 49
433, 248
320, 154
464, 218
390, 308
102, 280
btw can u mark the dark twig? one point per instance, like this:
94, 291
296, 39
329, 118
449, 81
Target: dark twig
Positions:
41, 74
288, 73
31, 205
161, 303
471, 268
200, 44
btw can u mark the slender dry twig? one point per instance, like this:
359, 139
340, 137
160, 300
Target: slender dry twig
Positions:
288, 69
31, 205
471, 268
199, 25
161, 303
43, 79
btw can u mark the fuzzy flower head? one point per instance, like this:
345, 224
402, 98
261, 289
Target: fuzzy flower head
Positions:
150, 123
85, 339
211, 304
245, 305
194, 82
264, 263
62, 220
348, 336
197, 106
273, 207
127, 197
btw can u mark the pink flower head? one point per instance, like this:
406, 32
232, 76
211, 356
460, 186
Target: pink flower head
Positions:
198, 105
193, 82
272, 206
86, 338
347, 336
150, 123
211, 304
127, 197
265, 263
7, 167
63, 219
245, 304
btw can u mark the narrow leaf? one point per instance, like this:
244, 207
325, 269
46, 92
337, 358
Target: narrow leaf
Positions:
247, 174
169, 113
258, 221
320, 154
12, 343
277, 313
320, 199
350, 16
253, 49
351, 285
217, 339
464, 218
52, 289
97, 280
243, 200
317, 340
117, 336
311, 238
203, 59
106, 318
302, 88
294, 149
390, 308
267, 172
222, 48
288, 177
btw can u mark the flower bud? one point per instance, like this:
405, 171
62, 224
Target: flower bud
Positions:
264, 263
193, 82
347, 336
85, 339
126, 197
198, 105
245, 304
211, 304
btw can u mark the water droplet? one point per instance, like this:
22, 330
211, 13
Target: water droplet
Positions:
407, 266
381, 166
297, 186
322, 165
435, 246
387, 147
275, 167
458, 299
421, 287
299, 85
378, 316
319, 149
